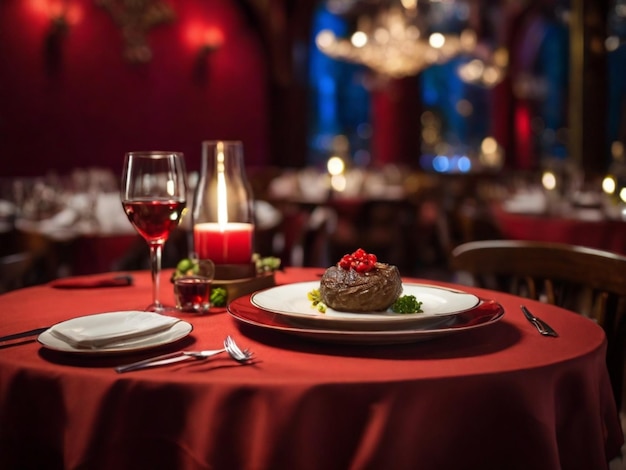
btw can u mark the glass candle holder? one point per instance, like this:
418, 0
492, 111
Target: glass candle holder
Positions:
222, 211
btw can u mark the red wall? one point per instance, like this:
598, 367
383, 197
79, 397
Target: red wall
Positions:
87, 105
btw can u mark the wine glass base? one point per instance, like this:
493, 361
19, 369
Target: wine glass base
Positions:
162, 309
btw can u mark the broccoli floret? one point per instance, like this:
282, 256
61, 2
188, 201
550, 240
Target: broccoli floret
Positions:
218, 297
407, 304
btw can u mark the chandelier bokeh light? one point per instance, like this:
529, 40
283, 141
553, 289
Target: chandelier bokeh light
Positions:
485, 72
396, 41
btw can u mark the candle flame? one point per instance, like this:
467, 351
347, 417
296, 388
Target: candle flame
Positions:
222, 196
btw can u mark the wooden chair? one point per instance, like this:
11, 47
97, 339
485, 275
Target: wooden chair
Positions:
13, 271
310, 247
587, 281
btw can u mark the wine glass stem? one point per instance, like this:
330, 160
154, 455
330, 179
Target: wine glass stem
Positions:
155, 261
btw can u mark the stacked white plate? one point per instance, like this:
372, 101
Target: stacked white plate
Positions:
287, 308
114, 332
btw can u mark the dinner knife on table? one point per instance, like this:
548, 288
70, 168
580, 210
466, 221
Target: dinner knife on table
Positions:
23, 334
542, 326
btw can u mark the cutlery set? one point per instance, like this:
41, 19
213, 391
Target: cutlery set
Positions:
229, 346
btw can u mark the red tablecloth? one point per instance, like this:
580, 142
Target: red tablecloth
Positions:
496, 397
602, 234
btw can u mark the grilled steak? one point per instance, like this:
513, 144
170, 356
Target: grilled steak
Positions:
349, 291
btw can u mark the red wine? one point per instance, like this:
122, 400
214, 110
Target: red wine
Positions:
154, 220
193, 294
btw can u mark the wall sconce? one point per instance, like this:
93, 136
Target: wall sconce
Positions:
61, 15
52, 46
53, 10
212, 41
207, 41
59, 25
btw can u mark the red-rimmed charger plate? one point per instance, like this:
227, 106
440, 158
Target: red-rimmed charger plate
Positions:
486, 313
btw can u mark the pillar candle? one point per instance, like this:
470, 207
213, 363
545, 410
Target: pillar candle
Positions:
230, 243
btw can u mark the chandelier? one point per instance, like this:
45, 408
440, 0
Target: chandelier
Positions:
397, 41
487, 69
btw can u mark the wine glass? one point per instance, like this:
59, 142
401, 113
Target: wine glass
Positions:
154, 191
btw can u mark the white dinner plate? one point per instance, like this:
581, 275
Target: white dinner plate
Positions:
486, 313
177, 331
290, 300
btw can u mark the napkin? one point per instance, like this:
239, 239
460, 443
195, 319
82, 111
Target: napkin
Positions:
92, 282
104, 329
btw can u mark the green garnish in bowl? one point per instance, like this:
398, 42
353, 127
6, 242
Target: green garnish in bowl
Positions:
186, 267
265, 264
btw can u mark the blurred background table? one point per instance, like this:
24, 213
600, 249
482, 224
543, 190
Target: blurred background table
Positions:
590, 228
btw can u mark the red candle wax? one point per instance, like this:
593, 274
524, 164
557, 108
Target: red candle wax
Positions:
224, 244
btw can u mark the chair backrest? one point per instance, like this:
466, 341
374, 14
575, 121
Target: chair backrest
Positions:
578, 278
584, 280
13, 271
311, 245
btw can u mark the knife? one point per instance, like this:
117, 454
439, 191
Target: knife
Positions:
541, 325
161, 360
23, 334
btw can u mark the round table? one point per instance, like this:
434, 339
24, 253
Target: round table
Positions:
600, 233
500, 396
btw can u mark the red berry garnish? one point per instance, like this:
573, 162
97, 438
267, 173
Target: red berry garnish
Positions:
360, 261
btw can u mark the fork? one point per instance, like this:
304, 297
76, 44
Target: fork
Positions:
229, 346
237, 354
